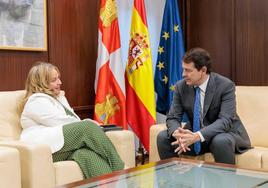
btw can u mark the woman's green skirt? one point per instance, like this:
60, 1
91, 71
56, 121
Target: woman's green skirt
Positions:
88, 145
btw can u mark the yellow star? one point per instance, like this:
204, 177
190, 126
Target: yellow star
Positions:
160, 65
165, 79
166, 35
160, 49
176, 28
172, 87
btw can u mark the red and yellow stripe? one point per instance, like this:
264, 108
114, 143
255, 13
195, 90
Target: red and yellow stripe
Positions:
140, 98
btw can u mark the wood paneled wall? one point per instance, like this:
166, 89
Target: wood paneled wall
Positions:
72, 46
251, 18
211, 29
233, 31
73, 34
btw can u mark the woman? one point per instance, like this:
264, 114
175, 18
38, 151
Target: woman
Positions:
47, 118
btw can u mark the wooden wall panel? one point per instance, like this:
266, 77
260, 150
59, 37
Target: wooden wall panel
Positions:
73, 33
72, 46
183, 13
251, 42
210, 26
14, 66
235, 33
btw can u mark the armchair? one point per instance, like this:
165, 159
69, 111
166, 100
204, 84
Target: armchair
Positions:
37, 167
9, 168
252, 109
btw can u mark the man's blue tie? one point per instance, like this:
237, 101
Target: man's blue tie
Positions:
196, 122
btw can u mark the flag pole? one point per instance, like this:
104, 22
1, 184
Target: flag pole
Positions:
141, 154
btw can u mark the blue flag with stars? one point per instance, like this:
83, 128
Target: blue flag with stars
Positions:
169, 60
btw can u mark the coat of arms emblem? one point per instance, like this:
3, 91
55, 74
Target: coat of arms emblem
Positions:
137, 53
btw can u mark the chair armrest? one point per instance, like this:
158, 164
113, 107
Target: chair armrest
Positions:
154, 131
10, 167
37, 170
125, 145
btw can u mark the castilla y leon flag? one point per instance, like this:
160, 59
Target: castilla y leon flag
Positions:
140, 99
110, 101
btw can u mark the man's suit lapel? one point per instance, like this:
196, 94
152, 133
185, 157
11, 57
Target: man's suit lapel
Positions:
210, 91
190, 96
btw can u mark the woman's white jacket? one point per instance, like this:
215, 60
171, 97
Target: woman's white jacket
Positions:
42, 120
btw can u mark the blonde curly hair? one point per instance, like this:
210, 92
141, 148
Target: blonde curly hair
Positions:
39, 78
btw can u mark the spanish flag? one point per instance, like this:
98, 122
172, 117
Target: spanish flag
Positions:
141, 113
110, 101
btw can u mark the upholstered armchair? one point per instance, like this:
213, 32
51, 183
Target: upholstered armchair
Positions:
9, 167
252, 106
37, 167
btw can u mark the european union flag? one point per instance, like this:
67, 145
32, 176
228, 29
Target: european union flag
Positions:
170, 52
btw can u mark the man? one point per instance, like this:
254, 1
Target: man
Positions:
209, 101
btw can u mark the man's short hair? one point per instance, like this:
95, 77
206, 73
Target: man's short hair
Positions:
199, 57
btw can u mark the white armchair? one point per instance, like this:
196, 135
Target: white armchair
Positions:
37, 167
9, 168
252, 109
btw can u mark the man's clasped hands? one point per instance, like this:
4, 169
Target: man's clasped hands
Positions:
184, 139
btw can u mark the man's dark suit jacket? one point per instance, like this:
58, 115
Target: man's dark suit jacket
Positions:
219, 111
